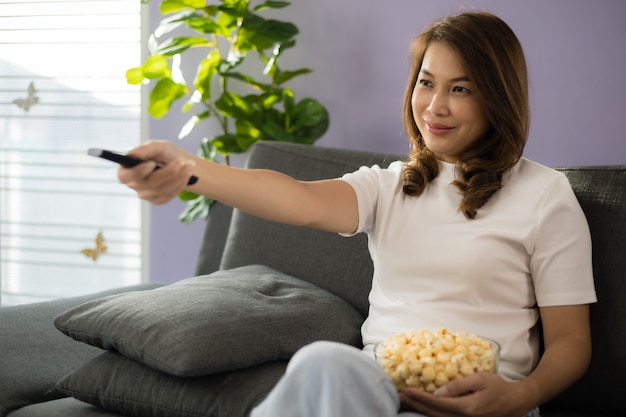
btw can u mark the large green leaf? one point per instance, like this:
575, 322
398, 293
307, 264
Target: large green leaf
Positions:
170, 23
261, 34
207, 150
193, 122
156, 66
187, 195
267, 101
271, 66
246, 128
271, 4
276, 132
204, 23
310, 121
179, 45
226, 23
197, 208
163, 94
289, 101
173, 6
204, 77
235, 8
308, 112
226, 144
233, 105
229, 143
284, 76
247, 134
134, 76
248, 80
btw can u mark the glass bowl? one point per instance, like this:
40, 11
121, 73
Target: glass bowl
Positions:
428, 360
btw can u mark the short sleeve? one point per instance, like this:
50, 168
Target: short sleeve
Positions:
367, 183
561, 262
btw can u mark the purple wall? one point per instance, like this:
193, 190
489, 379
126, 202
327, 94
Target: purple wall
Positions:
576, 56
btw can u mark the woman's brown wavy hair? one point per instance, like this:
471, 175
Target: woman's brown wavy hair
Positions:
494, 59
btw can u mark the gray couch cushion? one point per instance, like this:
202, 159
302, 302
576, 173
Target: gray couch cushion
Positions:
122, 385
337, 264
64, 407
203, 325
34, 355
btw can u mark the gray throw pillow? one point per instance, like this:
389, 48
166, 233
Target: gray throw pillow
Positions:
224, 321
121, 385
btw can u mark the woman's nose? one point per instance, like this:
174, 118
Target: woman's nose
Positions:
439, 105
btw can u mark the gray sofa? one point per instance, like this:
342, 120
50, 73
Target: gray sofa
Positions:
312, 276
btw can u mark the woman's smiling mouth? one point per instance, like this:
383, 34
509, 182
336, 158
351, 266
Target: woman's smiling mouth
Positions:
438, 128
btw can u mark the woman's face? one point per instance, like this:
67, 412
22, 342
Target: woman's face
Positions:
445, 105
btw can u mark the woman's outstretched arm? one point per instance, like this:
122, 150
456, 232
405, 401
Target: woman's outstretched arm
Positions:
326, 204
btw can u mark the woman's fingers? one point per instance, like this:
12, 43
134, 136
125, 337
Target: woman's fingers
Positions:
162, 177
165, 183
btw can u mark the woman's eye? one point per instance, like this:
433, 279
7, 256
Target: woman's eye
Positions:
459, 89
425, 83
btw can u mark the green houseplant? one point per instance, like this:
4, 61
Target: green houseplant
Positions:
250, 103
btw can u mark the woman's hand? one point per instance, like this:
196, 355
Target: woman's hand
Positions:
481, 394
162, 185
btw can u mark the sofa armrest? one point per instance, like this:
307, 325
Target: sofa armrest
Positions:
214, 240
34, 355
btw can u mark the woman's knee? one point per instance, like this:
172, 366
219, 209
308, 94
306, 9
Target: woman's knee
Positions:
322, 353
337, 361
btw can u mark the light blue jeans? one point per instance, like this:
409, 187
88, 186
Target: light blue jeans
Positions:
327, 379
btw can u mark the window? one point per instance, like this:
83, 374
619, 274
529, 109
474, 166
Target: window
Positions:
67, 227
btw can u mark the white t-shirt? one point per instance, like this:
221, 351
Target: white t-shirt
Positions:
528, 246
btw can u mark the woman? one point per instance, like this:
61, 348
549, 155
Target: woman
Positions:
466, 235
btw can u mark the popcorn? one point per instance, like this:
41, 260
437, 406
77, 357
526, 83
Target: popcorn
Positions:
428, 360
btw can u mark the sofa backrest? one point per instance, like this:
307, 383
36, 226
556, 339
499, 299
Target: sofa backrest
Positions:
601, 191
338, 264
343, 266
